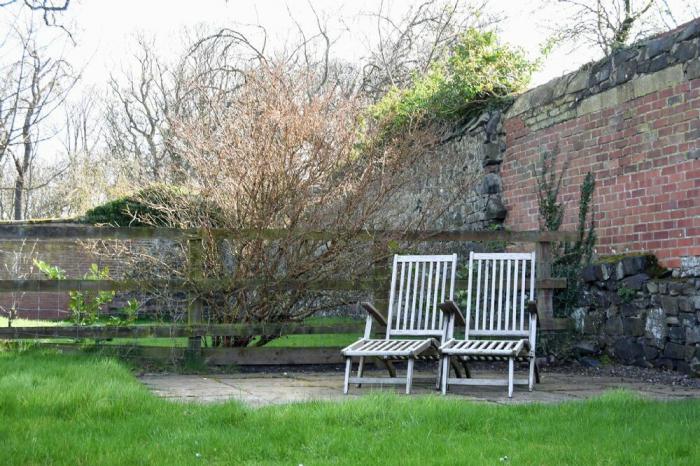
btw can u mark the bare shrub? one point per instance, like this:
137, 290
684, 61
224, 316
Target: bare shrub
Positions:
277, 157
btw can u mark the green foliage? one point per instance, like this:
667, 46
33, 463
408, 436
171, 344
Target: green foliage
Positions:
477, 73
128, 314
51, 272
156, 205
626, 294
570, 258
549, 183
85, 305
574, 256
75, 410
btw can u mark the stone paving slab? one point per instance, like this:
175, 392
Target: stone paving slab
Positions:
265, 389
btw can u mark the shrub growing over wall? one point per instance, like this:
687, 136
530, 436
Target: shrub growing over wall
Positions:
156, 205
479, 72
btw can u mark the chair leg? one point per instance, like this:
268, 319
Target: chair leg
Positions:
348, 367
409, 376
511, 364
467, 372
360, 369
537, 372
438, 380
531, 376
454, 364
445, 373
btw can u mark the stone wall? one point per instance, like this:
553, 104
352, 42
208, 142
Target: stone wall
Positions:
460, 178
636, 313
633, 120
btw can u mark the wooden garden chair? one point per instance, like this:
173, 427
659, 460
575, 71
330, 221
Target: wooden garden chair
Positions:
501, 318
414, 322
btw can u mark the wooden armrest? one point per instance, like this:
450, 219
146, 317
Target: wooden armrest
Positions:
532, 308
451, 308
376, 315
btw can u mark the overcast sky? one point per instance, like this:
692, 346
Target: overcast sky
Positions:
104, 29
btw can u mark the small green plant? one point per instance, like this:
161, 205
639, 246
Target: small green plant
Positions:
51, 272
128, 313
549, 183
85, 305
570, 258
605, 360
626, 294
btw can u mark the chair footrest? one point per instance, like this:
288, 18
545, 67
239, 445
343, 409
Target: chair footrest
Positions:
379, 380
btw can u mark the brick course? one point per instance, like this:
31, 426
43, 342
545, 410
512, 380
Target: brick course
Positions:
640, 139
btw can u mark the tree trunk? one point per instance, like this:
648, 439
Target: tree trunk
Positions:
19, 188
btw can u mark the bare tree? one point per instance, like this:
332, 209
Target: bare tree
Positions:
609, 25
35, 87
49, 9
410, 44
137, 116
285, 154
80, 177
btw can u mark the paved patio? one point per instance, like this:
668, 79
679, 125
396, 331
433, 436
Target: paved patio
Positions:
288, 387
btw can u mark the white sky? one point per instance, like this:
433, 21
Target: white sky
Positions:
105, 28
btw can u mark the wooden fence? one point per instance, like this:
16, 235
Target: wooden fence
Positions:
195, 329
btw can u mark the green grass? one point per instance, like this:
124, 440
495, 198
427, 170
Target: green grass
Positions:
33, 322
72, 410
288, 341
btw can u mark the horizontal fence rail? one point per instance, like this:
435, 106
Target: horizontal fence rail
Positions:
262, 356
196, 330
72, 231
174, 331
53, 286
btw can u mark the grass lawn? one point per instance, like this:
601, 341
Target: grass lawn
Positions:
58, 409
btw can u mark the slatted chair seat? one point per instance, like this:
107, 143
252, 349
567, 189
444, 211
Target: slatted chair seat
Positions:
415, 326
486, 348
501, 318
389, 348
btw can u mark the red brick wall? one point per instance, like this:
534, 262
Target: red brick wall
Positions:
644, 154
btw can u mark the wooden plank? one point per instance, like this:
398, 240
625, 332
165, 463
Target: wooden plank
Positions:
492, 382
195, 272
165, 331
216, 356
271, 356
24, 230
77, 231
42, 286
156, 353
378, 380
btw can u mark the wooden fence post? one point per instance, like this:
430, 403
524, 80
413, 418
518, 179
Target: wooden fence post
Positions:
545, 304
379, 275
195, 272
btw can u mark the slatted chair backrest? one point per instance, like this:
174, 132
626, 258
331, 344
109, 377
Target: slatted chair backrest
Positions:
498, 290
418, 285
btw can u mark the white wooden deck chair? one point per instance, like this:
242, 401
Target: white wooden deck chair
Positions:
501, 318
414, 324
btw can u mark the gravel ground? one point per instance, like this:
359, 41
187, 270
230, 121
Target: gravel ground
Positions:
640, 374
